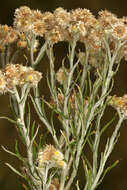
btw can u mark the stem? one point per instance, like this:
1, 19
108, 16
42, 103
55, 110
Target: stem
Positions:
32, 50
42, 117
84, 74
2, 58
65, 109
104, 91
21, 106
107, 153
40, 54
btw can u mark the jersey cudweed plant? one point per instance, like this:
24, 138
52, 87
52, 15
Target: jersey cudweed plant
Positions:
80, 92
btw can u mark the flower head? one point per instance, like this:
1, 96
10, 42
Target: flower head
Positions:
62, 17
18, 75
7, 35
3, 87
119, 103
50, 156
61, 75
23, 19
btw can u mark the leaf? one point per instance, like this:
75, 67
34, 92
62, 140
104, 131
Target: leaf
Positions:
42, 140
56, 111
12, 153
32, 129
107, 170
14, 170
41, 53
108, 124
77, 185
73, 129
13, 106
7, 118
34, 136
28, 120
90, 83
85, 169
52, 124
25, 187
17, 152
36, 107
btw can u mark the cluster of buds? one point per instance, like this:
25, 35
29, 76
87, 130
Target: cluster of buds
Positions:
50, 157
17, 75
119, 103
7, 36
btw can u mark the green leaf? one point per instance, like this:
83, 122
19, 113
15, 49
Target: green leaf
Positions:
56, 111
51, 121
41, 54
73, 128
36, 107
15, 171
42, 140
13, 106
77, 185
28, 120
25, 187
43, 107
7, 118
90, 83
12, 153
32, 129
18, 154
108, 124
107, 170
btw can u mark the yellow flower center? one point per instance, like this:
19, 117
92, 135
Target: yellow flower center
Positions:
29, 78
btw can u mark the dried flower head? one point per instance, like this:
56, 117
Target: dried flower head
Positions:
16, 74
37, 15
83, 15
94, 40
50, 156
119, 31
119, 103
49, 20
123, 52
55, 35
23, 19
12, 75
39, 28
78, 29
106, 19
61, 75
3, 87
81, 23
7, 35
62, 17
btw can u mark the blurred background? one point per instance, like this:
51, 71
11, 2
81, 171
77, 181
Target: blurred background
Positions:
116, 179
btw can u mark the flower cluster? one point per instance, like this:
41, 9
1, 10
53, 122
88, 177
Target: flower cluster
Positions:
113, 26
7, 35
50, 156
80, 24
16, 74
57, 26
119, 103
